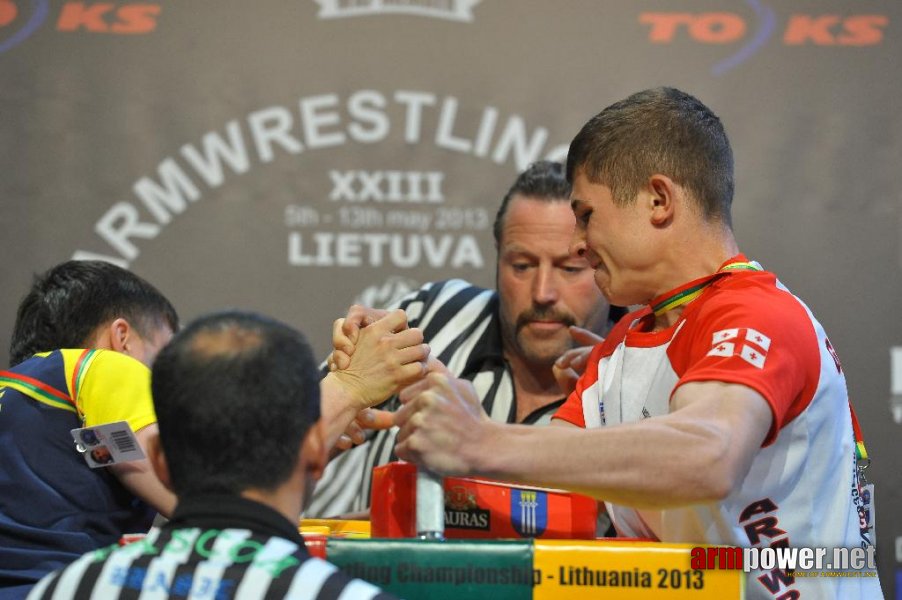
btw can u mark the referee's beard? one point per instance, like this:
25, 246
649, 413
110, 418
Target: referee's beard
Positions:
541, 347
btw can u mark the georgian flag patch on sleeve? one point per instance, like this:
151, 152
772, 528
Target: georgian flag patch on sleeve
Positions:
750, 345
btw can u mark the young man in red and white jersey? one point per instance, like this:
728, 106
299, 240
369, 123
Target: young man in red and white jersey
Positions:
716, 414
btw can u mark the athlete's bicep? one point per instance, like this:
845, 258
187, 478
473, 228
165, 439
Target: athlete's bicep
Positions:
735, 414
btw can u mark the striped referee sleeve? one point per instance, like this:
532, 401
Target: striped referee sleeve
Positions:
454, 316
319, 580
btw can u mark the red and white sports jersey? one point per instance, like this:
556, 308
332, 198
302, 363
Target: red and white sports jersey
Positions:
801, 489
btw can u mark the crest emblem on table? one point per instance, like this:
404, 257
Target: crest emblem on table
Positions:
529, 512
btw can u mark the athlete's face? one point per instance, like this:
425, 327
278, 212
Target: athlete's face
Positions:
616, 241
543, 288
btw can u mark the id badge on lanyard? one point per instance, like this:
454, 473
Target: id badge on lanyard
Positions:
865, 504
107, 445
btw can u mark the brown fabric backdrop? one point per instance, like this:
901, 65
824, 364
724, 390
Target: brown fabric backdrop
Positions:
293, 156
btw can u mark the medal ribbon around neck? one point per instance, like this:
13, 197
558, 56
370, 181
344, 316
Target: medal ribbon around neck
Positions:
687, 295
861, 452
694, 290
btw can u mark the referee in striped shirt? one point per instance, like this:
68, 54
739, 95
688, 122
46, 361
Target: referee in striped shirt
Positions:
238, 404
505, 341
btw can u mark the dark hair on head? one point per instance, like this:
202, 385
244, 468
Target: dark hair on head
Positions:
68, 302
542, 180
235, 394
662, 130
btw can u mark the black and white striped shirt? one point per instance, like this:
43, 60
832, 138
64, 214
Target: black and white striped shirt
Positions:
460, 322
216, 548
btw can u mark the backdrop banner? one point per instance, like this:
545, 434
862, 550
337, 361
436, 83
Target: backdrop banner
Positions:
296, 156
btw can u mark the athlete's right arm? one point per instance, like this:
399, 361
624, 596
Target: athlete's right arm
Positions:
387, 357
115, 387
139, 478
346, 330
699, 452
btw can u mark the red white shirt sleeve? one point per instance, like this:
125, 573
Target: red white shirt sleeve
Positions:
756, 336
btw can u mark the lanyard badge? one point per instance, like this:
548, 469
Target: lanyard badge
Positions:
106, 445
865, 501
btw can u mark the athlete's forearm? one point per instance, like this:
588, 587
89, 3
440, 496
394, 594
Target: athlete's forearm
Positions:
647, 466
337, 407
694, 455
139, 478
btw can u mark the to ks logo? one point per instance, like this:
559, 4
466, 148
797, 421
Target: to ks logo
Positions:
19, 19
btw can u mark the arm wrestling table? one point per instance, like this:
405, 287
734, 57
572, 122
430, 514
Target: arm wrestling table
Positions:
506, 542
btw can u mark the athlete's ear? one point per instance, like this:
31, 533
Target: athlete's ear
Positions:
660, 199
122, 335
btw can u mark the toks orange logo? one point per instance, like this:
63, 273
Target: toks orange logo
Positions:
729, 27
19, 19
106, 17
723, 28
